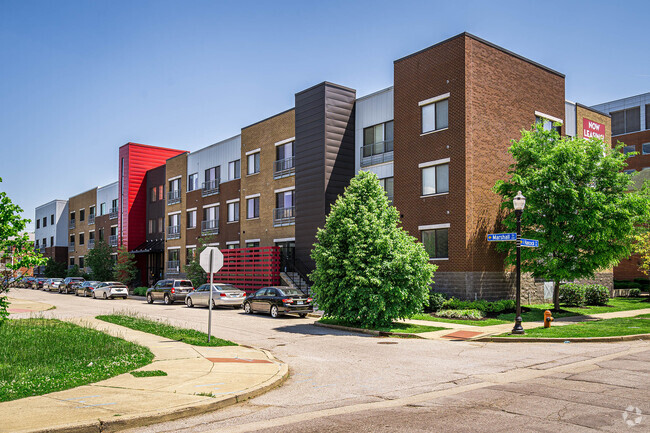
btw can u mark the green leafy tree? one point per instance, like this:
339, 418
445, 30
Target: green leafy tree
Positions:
577, 205
73, 271
125, 269
368, 269
17, 254
100, 262
54, 269
193, 269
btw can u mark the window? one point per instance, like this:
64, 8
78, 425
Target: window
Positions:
435, 179
102, 209
101, 234
44, 221
387, 184
91, 236
72, 239
252, 244
212, 177
71, 261
174, 191
174, 220
436, 243
189, 254
44, 242
378, 139
38, 223
81, 238
51, 241
52, 219
72, 216
191, 219
211, 214
547, 124
232, 246
284, 151
161, 192
625, 121
161, 227
646, 148
193, 182
92, 211
81, 262
284, 200
234, 169
253, 208
151, 226
82, 215
233, 212
629, 149
36, 243
114, 205
154, 194
435, 114
253, 163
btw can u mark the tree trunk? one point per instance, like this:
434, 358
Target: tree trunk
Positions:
556, 295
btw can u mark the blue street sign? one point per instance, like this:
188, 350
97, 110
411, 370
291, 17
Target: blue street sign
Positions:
502, 237
529, 243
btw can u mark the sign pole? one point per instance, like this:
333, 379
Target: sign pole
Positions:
210, 306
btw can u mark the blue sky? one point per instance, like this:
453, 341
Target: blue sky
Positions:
81, 78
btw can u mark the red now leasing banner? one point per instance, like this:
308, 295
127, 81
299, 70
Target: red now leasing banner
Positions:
591, 129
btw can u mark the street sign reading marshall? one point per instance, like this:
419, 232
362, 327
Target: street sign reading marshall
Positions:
532, 243
497, 237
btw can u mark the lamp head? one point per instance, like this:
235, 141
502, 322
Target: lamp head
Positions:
519, 201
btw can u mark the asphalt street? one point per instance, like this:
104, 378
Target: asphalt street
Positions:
344, 382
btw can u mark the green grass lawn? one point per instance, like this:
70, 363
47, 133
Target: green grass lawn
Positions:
484, 322
536, 312
39, 356
600, 328
189, 336
405, 328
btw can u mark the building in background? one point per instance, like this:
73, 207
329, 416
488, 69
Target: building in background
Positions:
51, 232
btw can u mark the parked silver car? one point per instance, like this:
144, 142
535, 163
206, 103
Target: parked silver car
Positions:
222, 294
52, 284
110, 290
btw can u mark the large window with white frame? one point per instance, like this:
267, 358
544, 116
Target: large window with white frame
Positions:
191, 219
435, 177
233, 212
193, 182
435, 113
377, 144
436, 242
234, 169
253, 163
253, 208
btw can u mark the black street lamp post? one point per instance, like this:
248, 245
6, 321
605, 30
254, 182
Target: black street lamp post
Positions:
519, 202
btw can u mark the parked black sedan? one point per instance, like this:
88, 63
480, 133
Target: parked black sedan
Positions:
279, 300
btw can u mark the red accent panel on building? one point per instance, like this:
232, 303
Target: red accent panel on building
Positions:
134, 161
250, 269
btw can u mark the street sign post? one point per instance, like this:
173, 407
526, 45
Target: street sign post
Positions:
531, 243
211, 260
500, 237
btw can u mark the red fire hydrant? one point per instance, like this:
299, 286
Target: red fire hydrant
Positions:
547, 319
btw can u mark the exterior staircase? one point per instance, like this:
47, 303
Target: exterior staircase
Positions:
295, 281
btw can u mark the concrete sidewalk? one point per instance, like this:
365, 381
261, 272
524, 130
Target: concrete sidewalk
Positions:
199, 379
24, 306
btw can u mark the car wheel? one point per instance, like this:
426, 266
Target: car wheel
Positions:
105, 297
76, 293
94, 295
247, 308
303, 315
188, 302
274, 311
168, 300
149, 298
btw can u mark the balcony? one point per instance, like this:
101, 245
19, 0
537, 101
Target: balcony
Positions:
376, 153
91, 244
71, 246
72, 224
173, 232
173, 267
112, 240
174, 197
211, 187
91, 218
210, 227
284, 167
112, 213
284, 216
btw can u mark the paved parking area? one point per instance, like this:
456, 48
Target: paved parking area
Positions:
333, 370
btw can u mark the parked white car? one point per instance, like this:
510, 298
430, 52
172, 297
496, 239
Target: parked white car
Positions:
222, 294
111, 290
52, 284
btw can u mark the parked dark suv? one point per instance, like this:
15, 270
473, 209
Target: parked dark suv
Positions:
169, 291
279, 300
70, 284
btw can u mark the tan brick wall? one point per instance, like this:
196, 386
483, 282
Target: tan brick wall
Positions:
81, 201
584, 112
176, 166
264, 135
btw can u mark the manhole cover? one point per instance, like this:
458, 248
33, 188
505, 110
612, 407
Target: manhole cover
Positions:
387, 342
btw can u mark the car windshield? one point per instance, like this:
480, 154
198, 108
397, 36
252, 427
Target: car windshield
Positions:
183, 284
55, 280
225, 287
292, 292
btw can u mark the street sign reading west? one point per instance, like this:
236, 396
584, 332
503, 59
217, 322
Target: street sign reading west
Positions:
502, 237
532, 243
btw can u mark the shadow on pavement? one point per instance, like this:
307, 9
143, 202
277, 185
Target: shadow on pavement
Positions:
309, 329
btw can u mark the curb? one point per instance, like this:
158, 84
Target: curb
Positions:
368, 331
564, 340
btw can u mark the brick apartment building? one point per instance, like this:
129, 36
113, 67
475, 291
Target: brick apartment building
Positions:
437, 139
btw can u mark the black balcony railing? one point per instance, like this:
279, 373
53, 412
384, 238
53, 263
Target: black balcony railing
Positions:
211, 187
112, 240
173, 232
112, 213
376, 153
284, 167
91, 218
173, 267
284, 216
72, 224
71, 246
174, 196
210, 227
91, 244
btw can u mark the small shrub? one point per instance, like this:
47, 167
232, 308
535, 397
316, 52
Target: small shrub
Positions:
644, 283
572, 295
634, 293
148, 373
495, 307
471, 314
436, 299
140, 291
595, 294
